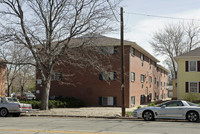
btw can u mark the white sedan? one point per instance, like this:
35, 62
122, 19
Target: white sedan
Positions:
175, 109
10, 105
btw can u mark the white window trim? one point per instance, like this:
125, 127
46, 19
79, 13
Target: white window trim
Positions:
141, 79
142, 56
189, 66
197, 86
131, 77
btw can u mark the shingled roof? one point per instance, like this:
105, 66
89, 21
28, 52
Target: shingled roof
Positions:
193, 53
108, 41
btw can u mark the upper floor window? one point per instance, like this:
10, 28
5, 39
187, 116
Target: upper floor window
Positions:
108, 76
154, 80
142, 78
142, 56
132, 76
193, 66
108, 49
132, 51
57, 76
150, 79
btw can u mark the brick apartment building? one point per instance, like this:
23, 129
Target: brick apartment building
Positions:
145, 80
2, 78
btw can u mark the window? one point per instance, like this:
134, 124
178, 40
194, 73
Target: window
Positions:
108, 50
132, 76
107, 100
142, 78
142, 56
193, 87
157, 83
57, 76
150, 79
154, 80
146, 91
132, 51
132, 100
192, 66
108, 76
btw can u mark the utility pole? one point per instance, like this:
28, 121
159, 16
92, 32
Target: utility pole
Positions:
122, 61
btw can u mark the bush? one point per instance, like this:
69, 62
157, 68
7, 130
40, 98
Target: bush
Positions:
68, 102
152, 104
191, 97
139, 107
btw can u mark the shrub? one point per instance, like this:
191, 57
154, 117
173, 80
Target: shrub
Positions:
68, 102
139, 107
152, 104
191, 97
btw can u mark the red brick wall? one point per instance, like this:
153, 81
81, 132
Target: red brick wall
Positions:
2, 80
84, 83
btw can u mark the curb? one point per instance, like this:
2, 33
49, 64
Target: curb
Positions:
73, 116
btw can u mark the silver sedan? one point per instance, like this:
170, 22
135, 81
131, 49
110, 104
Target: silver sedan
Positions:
175, 109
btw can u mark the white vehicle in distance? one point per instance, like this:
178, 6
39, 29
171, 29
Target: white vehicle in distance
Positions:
10, 105
175, 109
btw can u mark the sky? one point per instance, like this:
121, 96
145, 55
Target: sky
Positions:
140, 28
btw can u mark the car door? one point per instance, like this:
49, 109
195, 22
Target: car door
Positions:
173, 109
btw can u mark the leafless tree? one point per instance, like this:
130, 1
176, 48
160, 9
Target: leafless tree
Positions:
46, 28
13, 55
174, 40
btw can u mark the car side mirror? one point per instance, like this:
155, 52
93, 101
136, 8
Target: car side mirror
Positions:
163, 106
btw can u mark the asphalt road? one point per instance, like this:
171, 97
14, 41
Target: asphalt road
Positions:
53, 125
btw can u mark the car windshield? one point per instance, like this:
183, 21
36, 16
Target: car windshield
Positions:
192, 104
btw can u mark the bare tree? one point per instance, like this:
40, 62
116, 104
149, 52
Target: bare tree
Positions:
13, 55
174, 40
46, 28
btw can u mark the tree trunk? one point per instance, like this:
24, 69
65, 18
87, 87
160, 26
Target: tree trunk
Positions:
45, 94
22, 90
9, 92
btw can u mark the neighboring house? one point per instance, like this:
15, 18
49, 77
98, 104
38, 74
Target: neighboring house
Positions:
2, 78
188, 80
145, 80
170, 91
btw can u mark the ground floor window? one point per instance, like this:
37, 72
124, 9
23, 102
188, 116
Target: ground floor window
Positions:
193, 87
132, 100
107, 101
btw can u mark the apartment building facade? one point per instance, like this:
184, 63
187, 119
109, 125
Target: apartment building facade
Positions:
145, 80
188, 79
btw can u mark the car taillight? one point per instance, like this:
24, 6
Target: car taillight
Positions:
19, 106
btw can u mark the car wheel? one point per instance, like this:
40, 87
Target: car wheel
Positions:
16, 114
148, 116
192, 116
3, 112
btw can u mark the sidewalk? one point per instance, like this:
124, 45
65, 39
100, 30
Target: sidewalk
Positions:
96, 112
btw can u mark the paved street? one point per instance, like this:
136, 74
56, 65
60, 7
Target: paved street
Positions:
53, 125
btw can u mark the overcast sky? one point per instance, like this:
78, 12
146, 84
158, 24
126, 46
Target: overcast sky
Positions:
140, 28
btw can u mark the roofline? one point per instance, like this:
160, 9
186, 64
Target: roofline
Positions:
163, 68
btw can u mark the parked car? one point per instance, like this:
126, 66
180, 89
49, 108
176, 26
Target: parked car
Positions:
28, 96
9, 105
175, 109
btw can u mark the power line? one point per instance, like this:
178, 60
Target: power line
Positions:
166, 17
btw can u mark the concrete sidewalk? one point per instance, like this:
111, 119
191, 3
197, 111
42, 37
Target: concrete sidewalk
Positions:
96, 112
